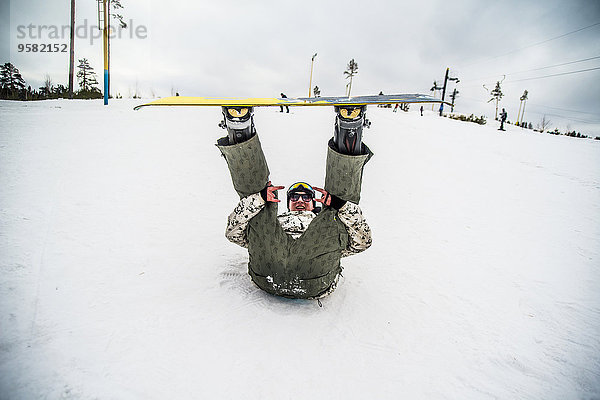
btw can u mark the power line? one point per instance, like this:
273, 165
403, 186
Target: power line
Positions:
539, 77
549, 76
533, 45
574, 119
534, 69
565, 109
555, 65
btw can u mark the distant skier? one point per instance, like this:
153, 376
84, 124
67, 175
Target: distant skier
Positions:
385, 105
503, 116
421, 111
297, 254
283, 96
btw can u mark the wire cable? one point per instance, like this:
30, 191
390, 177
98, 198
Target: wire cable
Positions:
555, 65
533, 69
573, 119
567, 110
549, 76
535, 77
533, 45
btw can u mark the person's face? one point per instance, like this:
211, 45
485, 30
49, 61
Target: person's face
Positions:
301, 201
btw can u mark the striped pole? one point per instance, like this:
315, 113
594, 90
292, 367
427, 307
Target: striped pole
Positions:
105, 37
311, 71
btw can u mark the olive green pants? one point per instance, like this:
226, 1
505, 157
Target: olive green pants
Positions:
250, 173
308, 266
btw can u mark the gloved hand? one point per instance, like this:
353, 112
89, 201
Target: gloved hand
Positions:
269, 193
329, 199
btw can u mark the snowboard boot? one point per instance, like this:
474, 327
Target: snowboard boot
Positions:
239, 122
349, 123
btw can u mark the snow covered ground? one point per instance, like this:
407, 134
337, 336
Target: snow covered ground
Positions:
117, 282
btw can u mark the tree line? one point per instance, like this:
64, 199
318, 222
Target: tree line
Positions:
14, 87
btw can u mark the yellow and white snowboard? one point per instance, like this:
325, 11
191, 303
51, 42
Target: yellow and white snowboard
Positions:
302, 101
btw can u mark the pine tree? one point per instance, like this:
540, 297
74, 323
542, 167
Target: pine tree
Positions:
317, 91
11, 81
496, 96
116, 5
86, 76
72, 49
453, 96
351, 70
60, 91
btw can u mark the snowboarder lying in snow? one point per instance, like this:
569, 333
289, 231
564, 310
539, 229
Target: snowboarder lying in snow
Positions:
297, 254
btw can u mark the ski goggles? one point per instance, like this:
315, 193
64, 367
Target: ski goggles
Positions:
305, 196
300, 186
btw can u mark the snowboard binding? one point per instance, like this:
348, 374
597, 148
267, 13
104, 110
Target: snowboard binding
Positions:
239, 122
349, 123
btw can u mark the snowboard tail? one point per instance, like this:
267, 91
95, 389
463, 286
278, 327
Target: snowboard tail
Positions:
301, 101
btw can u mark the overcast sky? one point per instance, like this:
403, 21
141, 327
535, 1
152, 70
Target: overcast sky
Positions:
262, 48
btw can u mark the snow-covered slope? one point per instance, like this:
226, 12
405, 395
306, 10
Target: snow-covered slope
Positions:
118, 283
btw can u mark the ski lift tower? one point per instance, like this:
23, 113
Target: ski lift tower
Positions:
446, 79
103, 26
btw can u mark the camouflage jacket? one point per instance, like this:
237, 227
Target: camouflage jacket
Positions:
294, 223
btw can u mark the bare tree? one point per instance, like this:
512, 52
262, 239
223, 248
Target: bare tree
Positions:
351, 70
48, 84
544, 124
48, 87
137, 94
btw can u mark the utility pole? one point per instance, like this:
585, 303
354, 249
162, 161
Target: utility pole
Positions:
311, 71
72, 50
446, 79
